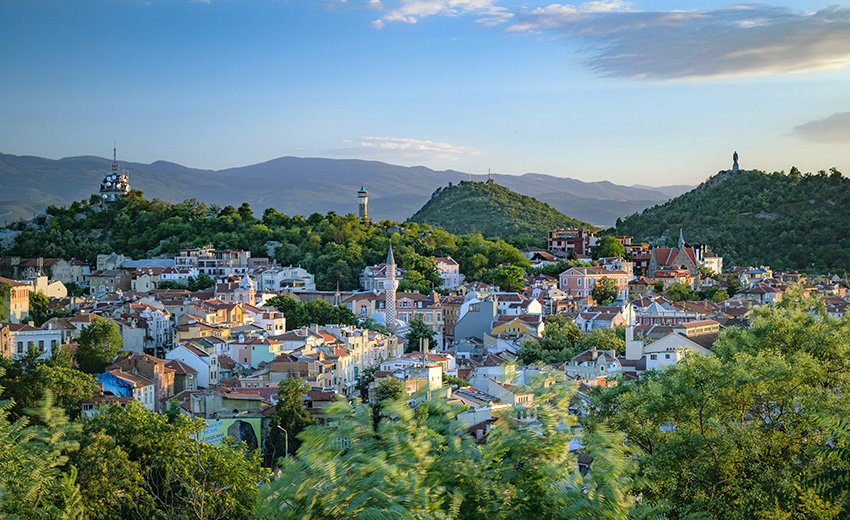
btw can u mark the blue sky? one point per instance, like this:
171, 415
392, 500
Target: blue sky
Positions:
648, 92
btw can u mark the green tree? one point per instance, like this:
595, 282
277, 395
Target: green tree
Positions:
605, 291
509, 279
99, 343
557, 344
200, 282
602, 339
419, 330
38, 307
731, 434
422, 464
834, 483
182, 476
450, 380
364, 381
678, 292
290, 415
5, 290
113, 486
608, 247
390, 389
28, 385
32, 483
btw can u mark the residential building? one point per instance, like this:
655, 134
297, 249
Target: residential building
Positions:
151, 368
594, 366
214, 262
449, 271
126, 384
204, 363
21, 338
567, 240
579, 281
17, 300
185, 377
288, 278
112, 280
376, 277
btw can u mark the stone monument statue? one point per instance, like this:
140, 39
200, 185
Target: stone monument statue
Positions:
735, 162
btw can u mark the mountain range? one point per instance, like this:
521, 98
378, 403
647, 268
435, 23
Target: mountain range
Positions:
296, 185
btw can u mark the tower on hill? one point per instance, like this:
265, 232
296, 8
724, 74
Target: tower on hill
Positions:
114, 184
363, 201
735, 162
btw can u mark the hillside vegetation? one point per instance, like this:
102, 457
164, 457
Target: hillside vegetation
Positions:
793, 221
335, 248
492, 210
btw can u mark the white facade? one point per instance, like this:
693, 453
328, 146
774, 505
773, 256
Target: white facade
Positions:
449, 272
290, 278
22, 338
203, 363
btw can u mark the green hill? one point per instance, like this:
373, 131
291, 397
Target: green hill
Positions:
794, 221
492, 210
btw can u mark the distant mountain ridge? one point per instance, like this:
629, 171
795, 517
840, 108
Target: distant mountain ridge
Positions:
492, 210
295, 185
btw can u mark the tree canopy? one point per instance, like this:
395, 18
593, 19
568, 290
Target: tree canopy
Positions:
732, 434
796, 221
421, 464
99, 343
335, 248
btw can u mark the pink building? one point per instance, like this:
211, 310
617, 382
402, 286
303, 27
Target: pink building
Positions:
579, 281
449, 272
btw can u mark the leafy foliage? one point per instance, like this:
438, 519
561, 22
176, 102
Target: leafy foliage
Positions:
421, 464
562, 341
419, 331
32, 483
609, 246
492, 210
99, 343
605, 291
290, 415
172, 474
319, 312
26, 384
732, 434
40, 312
336, 248
753, 218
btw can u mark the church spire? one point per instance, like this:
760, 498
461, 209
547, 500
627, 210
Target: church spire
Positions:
681, 239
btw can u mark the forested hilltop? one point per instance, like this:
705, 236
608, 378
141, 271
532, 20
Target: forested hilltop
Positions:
787, 221
336, 248
491, 210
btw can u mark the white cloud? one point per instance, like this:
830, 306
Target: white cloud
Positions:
410, 11
402, 148
833, 129
741, 40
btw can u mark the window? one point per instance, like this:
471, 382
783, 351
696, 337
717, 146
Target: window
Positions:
653, 357
41, 345
20, 347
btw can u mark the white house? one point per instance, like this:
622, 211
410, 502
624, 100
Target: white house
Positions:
205, 364
23, 338
449, 272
